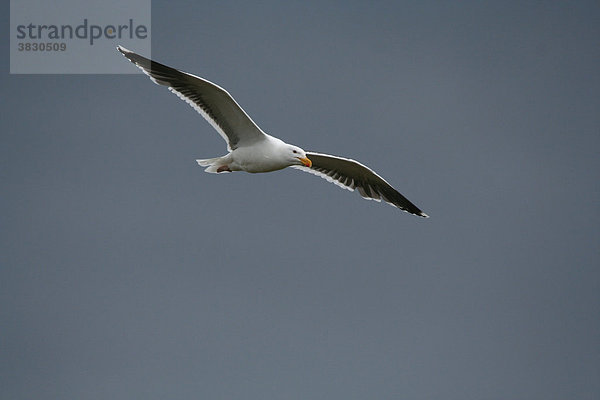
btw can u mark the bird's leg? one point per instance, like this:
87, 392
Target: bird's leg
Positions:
223, 168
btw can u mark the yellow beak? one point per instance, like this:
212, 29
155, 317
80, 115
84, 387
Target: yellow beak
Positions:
305, 161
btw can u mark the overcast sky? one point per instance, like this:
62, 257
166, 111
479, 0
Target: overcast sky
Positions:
126, 272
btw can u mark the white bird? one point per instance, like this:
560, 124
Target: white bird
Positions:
252, 150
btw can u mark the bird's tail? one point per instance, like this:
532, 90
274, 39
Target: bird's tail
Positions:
213, 164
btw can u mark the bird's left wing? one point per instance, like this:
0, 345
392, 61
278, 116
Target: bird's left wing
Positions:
350, 174
213, 102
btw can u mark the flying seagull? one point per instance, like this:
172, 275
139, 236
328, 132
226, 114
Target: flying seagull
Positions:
252, 150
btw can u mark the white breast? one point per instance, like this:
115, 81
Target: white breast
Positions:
264, 156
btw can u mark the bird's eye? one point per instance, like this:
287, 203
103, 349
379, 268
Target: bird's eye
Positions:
294, 151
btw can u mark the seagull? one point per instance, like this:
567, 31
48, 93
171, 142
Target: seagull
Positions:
252, 150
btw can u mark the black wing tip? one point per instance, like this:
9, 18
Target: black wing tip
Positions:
130, 55
416, 212
123, 50
410, 208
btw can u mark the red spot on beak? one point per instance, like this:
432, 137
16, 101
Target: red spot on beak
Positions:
305, 161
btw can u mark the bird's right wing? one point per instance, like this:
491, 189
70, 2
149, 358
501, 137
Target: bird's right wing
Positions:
214, 103
350, 174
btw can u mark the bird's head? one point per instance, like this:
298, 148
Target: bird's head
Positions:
298, 156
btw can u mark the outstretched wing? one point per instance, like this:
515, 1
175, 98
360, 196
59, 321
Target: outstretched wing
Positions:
350, 174
211, 101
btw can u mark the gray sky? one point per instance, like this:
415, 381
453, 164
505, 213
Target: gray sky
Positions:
127, 272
